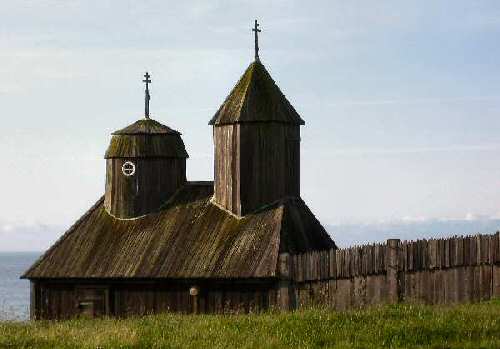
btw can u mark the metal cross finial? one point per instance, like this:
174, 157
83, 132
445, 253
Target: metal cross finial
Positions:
256, 30
147, 80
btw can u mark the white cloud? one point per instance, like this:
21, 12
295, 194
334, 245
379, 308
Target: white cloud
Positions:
478, 217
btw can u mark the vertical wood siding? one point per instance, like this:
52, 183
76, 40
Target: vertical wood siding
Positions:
434, 271
227, 171
153, 183
256, 164
63, 300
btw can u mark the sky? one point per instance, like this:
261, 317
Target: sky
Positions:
401, 100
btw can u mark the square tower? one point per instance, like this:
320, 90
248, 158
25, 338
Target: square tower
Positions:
257, 145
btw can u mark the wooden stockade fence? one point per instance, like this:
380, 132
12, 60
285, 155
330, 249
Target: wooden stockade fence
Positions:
338, 264
449, 270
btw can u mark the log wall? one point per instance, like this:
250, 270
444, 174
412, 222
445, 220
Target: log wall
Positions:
434, 271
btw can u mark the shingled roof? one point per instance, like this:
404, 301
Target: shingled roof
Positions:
146, 126
146, 138
189, 238
256, 98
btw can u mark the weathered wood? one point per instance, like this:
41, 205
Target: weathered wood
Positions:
495, 284
392, 270
189, 238
256, 98
156, 162
344, 294
154, 182
333, 264
255, 164
460, 252
431, 271
335, 278
286, 293
62, 300
496, 247
359, 292
34, 300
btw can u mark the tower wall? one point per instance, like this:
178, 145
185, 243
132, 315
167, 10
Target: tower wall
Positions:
155, 180
226, 167
256, 164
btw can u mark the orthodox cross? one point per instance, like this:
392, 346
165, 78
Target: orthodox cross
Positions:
147, 80
256, 30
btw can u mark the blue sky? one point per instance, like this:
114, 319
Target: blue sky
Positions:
401, 99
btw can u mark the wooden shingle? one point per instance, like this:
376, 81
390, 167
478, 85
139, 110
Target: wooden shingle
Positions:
189, 238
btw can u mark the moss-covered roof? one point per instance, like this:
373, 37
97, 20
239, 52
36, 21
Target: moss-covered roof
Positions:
189, 238
146, 126
256, 98
146, 146
146, 138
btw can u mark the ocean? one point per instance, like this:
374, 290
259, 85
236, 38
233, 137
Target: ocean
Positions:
14, 292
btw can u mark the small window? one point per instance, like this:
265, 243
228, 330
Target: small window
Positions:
85, 305
86, 308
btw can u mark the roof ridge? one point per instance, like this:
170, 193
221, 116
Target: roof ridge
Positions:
149, 127
233, 90
256, 98
222, 208
279, 202
289, 213
244, 102
279, 214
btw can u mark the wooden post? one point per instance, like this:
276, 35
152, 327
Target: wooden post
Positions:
286, 294
34, 303
194, 292
393, 293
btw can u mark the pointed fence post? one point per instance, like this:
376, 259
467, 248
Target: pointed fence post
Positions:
392, 259
286, 294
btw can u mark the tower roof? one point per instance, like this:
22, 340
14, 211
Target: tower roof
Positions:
146, 127
146, 138
256, 98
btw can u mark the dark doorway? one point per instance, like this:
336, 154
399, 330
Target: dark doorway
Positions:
92, 301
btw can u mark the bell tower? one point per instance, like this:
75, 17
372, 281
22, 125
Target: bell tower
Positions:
145, 165
257, 143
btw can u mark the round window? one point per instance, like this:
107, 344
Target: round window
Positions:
128, 168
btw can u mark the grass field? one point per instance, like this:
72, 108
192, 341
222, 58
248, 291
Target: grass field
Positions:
397, 326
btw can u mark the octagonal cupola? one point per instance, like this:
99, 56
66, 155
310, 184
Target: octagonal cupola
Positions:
145, 166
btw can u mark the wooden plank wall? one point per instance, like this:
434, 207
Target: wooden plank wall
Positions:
269, 163
154, 182
61, 300
433, 271
142, 300
255, 164
227, 170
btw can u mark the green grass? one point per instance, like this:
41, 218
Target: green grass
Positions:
398, 326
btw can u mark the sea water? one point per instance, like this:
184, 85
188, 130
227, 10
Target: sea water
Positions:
14, 292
